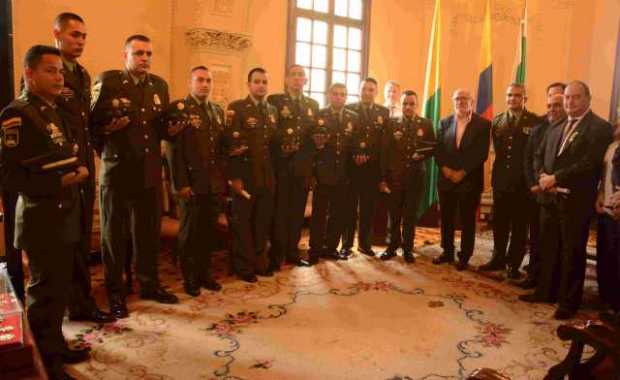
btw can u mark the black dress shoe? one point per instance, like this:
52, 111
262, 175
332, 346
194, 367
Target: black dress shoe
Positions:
443, 258
387, 255
212, 285
128, 287
461, 265
408, 256
366, 251
532, 298
528, 283
70, 356
345, 252
248, 278
55, 368
563, 314
493, 265
192, 289
95, 315
159, 295
334, 255
514, 274
118, 307
313, 260
265, 273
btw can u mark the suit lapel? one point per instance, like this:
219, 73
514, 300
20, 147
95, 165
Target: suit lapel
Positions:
583, 123
451, 134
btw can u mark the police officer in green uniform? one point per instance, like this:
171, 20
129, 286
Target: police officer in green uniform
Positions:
332, 161
408, 141
248, 147
365, 170
40, 161
74, 107
199, 179
126, 119
510, 132
297, 115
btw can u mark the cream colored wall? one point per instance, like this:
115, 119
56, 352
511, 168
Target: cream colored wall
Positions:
568, 39
108, 23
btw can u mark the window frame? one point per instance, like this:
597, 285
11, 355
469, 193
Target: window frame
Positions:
331, 19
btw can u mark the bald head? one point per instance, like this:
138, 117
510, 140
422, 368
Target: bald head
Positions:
576, 98
463, 102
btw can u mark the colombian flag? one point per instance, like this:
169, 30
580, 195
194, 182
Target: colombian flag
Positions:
484, 102
432, 102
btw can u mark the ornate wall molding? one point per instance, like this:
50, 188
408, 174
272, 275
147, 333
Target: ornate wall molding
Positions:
211, 39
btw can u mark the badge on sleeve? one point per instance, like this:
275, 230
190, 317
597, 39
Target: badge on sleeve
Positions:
310, 114
272, 118
156, 99
379, 119
420, 132
10, 132
180, 106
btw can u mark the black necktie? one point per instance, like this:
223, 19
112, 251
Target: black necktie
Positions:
568, 131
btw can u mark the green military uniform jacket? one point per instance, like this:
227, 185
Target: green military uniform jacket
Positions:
131, 157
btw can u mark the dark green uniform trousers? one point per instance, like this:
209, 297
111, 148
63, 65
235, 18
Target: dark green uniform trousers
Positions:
140, 214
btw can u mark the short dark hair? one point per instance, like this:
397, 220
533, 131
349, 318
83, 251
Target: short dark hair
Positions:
136, 37
291, 67
256, 70
199, 67
371, 80
556, 84
34, 54
337, 85
61, 20
518, 85
586, 88
409, 93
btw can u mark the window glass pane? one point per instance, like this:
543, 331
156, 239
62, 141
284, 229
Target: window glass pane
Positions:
302, 54
340, 36
307, 85
339, 60
353, 83
304, 29
339, 77
354, 62
319, 56
355, 38
355, 9
341, 8
305, 4
319, 32
319, 97
318, 80
321, 5
353, 99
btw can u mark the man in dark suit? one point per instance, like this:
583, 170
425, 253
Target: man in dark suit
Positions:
365, 169
39, 160
199, 179
569, 162
332, 160
74, 108
555, 114
462, 148
510, 131
126, 120
248, 146
297, 115
403, 173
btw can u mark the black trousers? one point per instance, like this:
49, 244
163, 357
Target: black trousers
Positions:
81, 300
403, 208
13, 255
362, 203
510, 216
50, 277
466, 204
139, 213
197, 235
250, 223
290, 206
608, 260
564, 230
329, 208
534, 230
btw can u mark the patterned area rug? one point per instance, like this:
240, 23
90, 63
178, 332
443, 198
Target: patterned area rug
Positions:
360, 319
